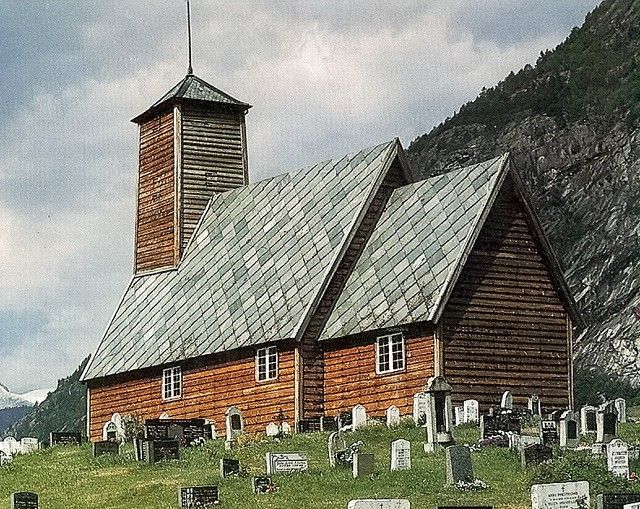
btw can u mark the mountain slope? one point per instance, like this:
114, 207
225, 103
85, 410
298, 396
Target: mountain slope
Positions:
571, 124
63, 410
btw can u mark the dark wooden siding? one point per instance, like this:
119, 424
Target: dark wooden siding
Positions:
155, 241
312, 362
505, 327
209, 389
350, 375
213, 159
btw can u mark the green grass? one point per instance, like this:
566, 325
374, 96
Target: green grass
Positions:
68, 478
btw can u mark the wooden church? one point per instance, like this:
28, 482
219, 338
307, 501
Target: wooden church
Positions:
345, 282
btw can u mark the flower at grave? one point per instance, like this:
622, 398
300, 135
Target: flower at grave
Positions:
633, 476
475, 485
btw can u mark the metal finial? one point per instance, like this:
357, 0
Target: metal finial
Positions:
190, 69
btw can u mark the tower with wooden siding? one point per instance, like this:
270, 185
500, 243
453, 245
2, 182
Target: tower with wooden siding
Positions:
192, 144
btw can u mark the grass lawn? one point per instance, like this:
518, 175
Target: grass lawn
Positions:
69, 478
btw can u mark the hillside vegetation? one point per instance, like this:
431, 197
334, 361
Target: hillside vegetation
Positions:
68, 478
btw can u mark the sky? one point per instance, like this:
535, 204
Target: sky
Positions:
324, 78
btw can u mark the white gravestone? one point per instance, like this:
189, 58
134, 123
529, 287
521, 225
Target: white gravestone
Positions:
381, 503
393, 416
618, 458
562, 495
459, 415
420, 408
358, 417
507, 401
12, 446
272, 429
286, 428
286, 462
471, 410
621, 407
635, 505
29, 445
401, 454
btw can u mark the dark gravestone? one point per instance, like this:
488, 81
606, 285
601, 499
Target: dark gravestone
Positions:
262, 484
198, 497
572, 430
549, 432
24, 500
138, 449
187, 431
161, 450
345, 419
498, 424
616, 500
65, 438
555, 415
458, 464
610, 422
344, 458
105, 447
328, 424
535, 454
309, 425
229, 467
591, 421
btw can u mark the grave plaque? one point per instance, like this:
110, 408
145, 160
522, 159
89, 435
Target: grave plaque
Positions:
161, 450
311, 425
362, 464
105, 447
198, 497
535, 454
458, 464
65, 438
328, 424
549, 432
24, 500
616, 500
229, 466
381, 503
400, 455
262, 484
286, 462
187, 431
618, 458
563, 495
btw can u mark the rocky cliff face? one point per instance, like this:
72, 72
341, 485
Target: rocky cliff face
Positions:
571, 125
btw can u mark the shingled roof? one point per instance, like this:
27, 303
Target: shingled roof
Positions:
193, 88
252, 271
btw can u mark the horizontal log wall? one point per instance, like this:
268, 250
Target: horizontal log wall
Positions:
156, 195
350, 376
213, 159
208, 391
505, 326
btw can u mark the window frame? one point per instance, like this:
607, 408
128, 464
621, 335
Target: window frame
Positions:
267, 354
169, 375
388, 338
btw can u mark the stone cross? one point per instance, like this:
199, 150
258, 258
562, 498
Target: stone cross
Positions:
400, 454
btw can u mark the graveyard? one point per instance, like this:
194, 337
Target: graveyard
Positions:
69, 476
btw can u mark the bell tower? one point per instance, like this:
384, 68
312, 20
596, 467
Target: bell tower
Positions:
192, 145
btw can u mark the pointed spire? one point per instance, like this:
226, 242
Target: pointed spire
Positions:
190, 68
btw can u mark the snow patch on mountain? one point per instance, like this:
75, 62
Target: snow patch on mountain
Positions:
10, 400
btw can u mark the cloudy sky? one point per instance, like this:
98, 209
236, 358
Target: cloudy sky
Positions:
325, 78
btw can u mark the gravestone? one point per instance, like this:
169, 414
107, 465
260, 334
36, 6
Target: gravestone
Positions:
568, 432
11, 446
471, 410
229, 467
392, 416
438, 422
458, 464
186, 431
24, 500
328, 424
635, 505
459, 415
161, 450
286, 462
519, 442
311, 425
618, 458
535, 454
588, 419
549, 432
336, 443
621, 407
420, 408
29, 445
138, 449
534, 406
262, 484
400, 454
5, 458
492, 425
380, 503
272, 430
65, 438
616, 500
105, 447
286, 428
606, 423
506, 403
198, 497
358, 417
362, 464
563, 495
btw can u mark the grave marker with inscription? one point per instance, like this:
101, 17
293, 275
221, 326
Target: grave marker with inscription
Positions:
618, 458
362, 464
286, 462
65, 438
198, 497
262, 484
400, 455
549, 432
471, 409
563, 495
358, 417
458, 464
105, 447
229, 467
381, 503
336, 443
616, 500
24, 500
392, 416
161, 450
535, 454
588, 419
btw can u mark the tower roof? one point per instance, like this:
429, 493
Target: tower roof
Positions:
192, 88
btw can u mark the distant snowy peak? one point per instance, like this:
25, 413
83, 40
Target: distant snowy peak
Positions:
10, 400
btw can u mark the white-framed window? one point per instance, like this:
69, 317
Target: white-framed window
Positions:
390, 353
267, 364
172, 383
